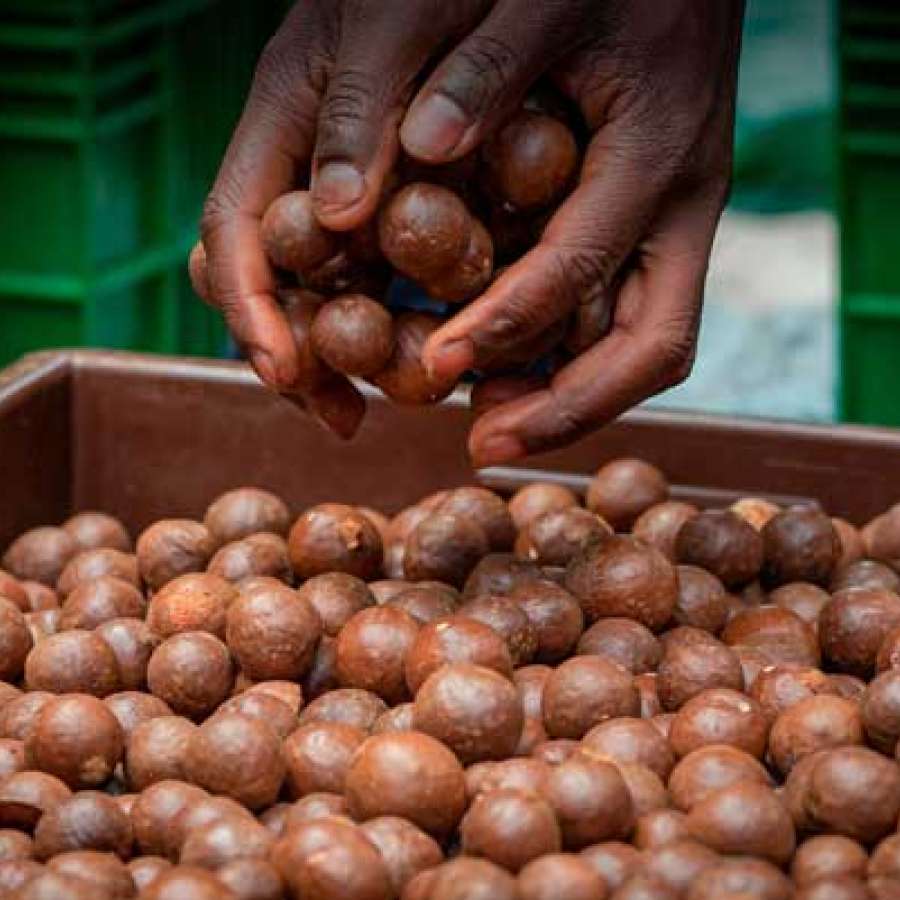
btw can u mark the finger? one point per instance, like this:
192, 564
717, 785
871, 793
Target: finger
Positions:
272, 141
590, 320
484, 79
271, 145
493, 392
651, 347
579, 254
198, 272
326, 394
336, 402
382, 49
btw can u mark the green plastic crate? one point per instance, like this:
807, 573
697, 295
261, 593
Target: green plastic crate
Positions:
211, 71
868, 144
113, 118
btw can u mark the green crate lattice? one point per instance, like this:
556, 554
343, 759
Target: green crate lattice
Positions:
112, 120
868, 144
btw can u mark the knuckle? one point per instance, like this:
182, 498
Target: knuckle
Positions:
276, 70
674, 350
583, 268
287, 81
483, 66
513, 325
347, 106
218, 210
570, 424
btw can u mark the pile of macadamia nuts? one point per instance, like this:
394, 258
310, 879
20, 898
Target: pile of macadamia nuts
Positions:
543, 698
451, 229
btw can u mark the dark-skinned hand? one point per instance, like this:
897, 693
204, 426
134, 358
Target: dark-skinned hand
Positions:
336, 90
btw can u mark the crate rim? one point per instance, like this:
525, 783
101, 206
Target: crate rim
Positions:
63, 361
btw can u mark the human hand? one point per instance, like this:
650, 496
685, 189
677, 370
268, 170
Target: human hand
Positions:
656, 85
329, 93
656, 88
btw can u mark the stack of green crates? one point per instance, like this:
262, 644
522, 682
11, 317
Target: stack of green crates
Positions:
869, 160
113, 116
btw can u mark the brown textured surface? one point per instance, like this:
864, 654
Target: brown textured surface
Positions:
94, 429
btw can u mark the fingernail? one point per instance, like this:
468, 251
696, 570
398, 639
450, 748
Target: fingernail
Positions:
450, 360
496, 449
264, 366
338, 185
434, 128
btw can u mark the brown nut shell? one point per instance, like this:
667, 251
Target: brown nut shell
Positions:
424, 230
444, 547
455, 640
336, 597
40, 554
659, 525
156, 809
72, 662
473, 710
244, 511
623, 489
531, 160
404, 378
800, 544
192, 672
591, 801
509, 620
555, 616
405, 848
25, 797
816, 723
372, 649
410, 775
106, 874
510, 828
239, 757
353, 334
352, 706
91, 530
745, 818
537, 498
15, 641
842, 785
720, 716
197, 601
623, 577
318, 756
97, 601
335, 537
853, 626
272, 632
157, 751
90, 564
261, 554
555, 537
173, 547
722, 543
584, 691
292, 236
88, 820
77, 739
132, 644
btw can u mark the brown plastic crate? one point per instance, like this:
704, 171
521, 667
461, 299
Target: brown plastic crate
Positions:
147, 436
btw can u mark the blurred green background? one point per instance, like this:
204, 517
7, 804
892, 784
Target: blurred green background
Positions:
114, 114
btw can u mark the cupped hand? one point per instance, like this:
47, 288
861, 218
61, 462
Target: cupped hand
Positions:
655, 83
329, 93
